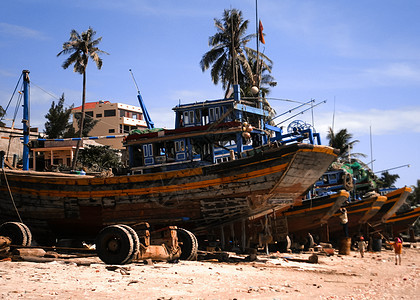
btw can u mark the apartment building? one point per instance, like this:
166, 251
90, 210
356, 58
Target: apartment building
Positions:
113, 119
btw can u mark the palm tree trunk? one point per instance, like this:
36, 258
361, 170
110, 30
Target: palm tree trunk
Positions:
82, 119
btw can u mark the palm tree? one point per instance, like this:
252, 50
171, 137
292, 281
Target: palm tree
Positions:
81, 47
342, 141
264, 69
387, 180
229, 55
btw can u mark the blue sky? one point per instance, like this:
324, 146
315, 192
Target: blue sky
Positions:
363, 57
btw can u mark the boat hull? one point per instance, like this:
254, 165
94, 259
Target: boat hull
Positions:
311, 214
359, 213
395, 200
196, 198
402, 221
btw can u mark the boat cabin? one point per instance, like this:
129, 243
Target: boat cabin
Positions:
205, 132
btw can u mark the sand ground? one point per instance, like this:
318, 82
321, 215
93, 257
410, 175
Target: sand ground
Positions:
270, 277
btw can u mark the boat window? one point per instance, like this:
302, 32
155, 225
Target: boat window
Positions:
214, 114
179, 146
170, 150
89, 113
206, 149
99, 115
333, 178
197, 116
186, 118
191, 113
204, 116
211, 114
147, 150
111, 131
229, 116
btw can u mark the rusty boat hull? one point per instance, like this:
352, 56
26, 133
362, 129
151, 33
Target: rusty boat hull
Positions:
196, 198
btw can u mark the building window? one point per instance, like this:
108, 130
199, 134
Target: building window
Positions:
111, 131
99, 115
109, 113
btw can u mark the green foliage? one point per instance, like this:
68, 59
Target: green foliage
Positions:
81, 48
230, 41
2, 113
100, 158
387, 180
414, 198
58, 125
88, 124
341, 140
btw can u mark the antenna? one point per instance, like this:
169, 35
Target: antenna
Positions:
371, 148
333, 117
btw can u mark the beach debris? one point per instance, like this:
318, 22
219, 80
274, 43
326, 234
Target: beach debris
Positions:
35, 252
121, 270
5, 243
224, 256
312, 259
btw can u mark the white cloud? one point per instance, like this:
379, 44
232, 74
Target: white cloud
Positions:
153, 8
382, 122
387, 74
17, 31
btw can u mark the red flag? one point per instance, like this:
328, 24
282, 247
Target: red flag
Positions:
260, 33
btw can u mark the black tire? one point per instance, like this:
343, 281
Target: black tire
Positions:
188, 243
136, 241
16, 232
28, 234
114, 245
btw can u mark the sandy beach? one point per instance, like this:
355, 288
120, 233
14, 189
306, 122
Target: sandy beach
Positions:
270, 277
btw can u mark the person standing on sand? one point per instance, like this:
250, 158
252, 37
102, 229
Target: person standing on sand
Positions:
344, 220
361, 245
397, 244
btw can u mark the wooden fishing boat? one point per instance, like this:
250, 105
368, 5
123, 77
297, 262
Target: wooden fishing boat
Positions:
213, 168
395, 199
311, 214
296, 221
358, 212
401, 221
79, 206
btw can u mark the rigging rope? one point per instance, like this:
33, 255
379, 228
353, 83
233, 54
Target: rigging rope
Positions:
11, 196
10, 101
86, 115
